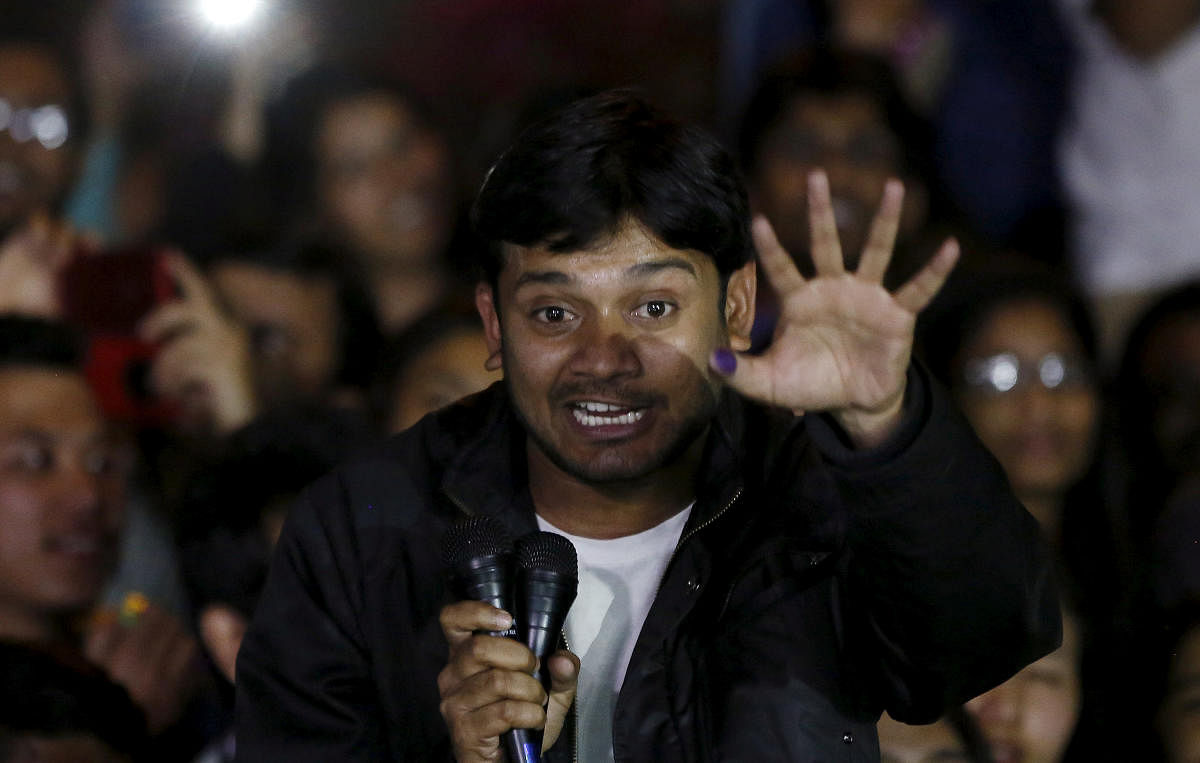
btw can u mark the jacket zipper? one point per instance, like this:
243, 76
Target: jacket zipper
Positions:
691, 534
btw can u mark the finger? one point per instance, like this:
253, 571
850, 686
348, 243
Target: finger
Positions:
921, 288
748, 375
193, 286
776, 262
481, 653
564, 677
168, 320
881, 240
462, 619
476, 733
826, 249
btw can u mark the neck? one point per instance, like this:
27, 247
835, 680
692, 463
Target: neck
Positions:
1046, 508
612, 509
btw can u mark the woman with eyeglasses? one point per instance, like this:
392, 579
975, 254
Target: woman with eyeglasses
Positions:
1016, 347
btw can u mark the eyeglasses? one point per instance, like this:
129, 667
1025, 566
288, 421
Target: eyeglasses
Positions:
46, 124
1004, 372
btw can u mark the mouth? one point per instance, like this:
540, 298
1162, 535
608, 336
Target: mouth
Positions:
594, 414
82, 545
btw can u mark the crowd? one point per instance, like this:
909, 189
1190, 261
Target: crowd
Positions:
222, 274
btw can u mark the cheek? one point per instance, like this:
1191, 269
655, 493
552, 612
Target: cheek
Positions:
992, 419
1050, 716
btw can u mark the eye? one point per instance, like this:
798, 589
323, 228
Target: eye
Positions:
655, 309
552, 314
108, 461
27, 457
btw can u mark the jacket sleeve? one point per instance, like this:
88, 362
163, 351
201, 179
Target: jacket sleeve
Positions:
304, 689
948, 577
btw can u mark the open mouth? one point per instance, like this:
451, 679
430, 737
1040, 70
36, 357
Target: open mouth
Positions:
593, 414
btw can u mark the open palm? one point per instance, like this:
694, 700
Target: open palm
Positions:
843, 342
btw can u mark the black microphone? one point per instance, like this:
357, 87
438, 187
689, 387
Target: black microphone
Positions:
478, 553
547, 580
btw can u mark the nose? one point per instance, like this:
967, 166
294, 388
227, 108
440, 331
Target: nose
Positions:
79, 490
1038, 403
607, 349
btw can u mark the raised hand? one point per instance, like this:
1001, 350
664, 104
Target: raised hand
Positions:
843, 342
205, 359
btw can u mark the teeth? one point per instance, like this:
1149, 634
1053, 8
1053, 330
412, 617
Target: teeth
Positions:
599, 407
588, 420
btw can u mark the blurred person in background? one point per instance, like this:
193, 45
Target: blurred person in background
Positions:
234, 511
63, 473
1030, 718
1016, 347
953, 738
438, 360
376, 170
1178, 697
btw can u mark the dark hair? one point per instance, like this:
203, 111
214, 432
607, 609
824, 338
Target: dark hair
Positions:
42, 694
823, 71
30, 341
574, 177
266, 464
289, 161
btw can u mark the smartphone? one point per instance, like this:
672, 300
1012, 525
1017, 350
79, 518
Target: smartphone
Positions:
107, 294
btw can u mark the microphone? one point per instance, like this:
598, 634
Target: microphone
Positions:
478, 553
547, 581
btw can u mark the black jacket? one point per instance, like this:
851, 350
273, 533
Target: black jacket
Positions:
813, 587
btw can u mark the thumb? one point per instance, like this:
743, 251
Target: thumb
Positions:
564, 677
749, 375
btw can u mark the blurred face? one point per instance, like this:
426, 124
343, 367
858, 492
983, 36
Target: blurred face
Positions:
293, 323
447, 371
1179, 719
1031, 397
1171, 368
37, 159
606, 351
848, 136
384, 180
61, 495
932, 743
1029, 718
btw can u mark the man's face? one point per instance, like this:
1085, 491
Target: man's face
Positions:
848, 136
605, 351
294, 327
62, 496
385, 180
35, 168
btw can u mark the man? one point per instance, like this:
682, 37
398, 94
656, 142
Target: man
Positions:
841, 547
63, 473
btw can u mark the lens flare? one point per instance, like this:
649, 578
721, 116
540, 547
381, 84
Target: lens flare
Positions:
229, 14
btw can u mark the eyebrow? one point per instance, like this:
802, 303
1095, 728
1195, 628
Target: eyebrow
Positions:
640, 270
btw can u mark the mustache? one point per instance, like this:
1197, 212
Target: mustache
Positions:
626, 394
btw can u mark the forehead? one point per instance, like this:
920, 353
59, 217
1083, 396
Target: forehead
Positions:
45, 399
630, 254
348, 120
832, 113
29, 75
1027, 323
260, 293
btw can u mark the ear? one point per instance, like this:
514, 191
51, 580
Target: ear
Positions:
485, 303
740, 292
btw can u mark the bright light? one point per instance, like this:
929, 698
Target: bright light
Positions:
229, 14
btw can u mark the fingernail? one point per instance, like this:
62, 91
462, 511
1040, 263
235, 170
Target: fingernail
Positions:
724, 361
503, 621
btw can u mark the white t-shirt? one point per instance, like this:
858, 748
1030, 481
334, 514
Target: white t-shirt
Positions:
618, 579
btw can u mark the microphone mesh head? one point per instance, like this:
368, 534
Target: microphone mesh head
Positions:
547, 551
474, 537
